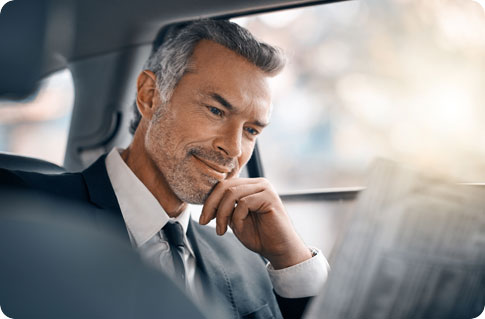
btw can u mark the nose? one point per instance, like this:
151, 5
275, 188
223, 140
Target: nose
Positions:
229, 142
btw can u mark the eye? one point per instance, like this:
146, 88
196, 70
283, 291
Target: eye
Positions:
251, 131
215, 111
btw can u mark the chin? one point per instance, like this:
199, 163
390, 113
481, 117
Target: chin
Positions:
196, 194
194, 198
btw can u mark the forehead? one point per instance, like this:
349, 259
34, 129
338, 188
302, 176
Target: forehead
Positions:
217, 69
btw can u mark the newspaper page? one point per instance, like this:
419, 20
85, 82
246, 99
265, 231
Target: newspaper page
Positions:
414, 248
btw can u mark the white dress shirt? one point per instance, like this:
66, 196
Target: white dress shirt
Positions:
144, 218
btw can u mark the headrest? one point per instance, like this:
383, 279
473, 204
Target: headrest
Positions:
22, 34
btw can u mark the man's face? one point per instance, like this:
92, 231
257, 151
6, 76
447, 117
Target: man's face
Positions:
208, 130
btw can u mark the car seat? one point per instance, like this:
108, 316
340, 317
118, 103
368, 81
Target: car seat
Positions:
29, 164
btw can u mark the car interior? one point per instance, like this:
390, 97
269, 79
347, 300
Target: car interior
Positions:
104, 44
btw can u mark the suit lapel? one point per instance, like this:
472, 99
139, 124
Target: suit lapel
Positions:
211, 267
102, 195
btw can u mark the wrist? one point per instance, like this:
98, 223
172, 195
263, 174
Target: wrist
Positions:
291, 257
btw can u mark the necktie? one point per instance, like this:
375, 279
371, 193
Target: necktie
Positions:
175, 237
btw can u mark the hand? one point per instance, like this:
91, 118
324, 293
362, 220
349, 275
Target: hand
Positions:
251, 207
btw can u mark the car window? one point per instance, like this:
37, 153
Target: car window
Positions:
38, 126
400, 80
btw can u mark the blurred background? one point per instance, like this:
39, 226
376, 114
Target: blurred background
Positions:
401, 79
38, 126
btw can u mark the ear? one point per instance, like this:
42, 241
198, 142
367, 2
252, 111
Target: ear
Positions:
146, 93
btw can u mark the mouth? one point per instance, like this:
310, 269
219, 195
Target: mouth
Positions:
219, 171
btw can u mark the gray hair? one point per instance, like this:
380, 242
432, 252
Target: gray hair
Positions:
171, 60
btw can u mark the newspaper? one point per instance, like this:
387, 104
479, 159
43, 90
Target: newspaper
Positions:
414, 248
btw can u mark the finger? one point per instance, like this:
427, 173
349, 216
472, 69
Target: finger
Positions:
240, 214
217, 193
251, 203
229, 201
209, 209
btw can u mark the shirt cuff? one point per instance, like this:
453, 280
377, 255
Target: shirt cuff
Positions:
305, 279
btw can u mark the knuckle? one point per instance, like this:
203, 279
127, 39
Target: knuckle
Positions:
231, 191
242, 202
269, 186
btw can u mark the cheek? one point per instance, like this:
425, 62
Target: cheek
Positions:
169, 131
194, 125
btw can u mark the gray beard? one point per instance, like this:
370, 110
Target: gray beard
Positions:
184, 188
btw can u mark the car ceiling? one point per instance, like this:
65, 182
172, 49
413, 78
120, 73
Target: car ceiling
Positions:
79, 29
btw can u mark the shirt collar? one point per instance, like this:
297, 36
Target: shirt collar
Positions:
143, 214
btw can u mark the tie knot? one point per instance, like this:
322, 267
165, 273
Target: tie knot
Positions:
174, 233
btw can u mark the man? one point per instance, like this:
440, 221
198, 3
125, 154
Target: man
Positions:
201, 102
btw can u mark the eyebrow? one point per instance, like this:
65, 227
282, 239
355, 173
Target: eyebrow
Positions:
230, 107
222, 101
